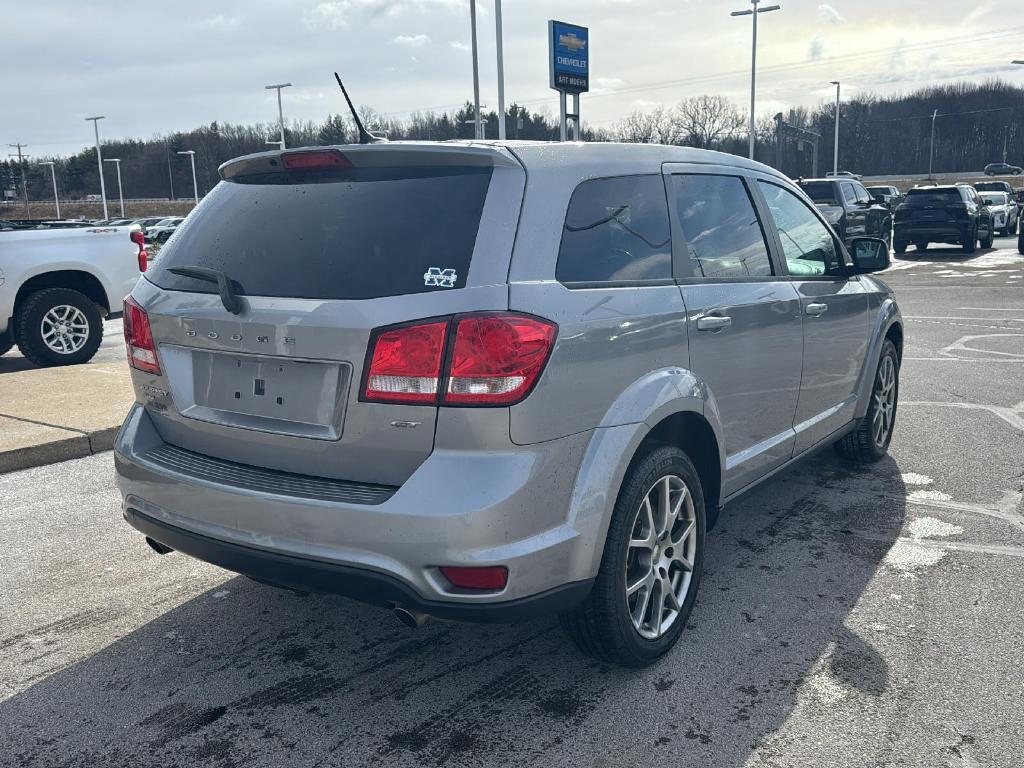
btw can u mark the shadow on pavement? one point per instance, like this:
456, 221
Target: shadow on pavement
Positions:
247, 675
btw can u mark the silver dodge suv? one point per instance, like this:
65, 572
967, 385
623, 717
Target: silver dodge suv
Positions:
482, 381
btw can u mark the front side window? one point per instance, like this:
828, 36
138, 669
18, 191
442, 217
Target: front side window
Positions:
723, 235
616, 230
863, 196
807, 243
849, 193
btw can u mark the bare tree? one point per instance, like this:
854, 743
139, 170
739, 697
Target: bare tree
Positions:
705, 121
654, 127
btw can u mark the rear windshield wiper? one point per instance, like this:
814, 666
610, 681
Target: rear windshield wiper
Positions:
225, 284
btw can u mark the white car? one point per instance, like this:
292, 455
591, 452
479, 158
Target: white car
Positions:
58, 285
163, 229
1003, 210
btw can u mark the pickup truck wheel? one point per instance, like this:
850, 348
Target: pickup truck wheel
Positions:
869, 442
651, 567
970, 244
58, 326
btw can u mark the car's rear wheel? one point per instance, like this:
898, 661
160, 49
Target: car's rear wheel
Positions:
870, 441
921, 245
58, 326
970, 243
650, 570
900, 247
989, 237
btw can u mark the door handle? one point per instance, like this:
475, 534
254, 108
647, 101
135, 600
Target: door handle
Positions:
713, 323
817, 309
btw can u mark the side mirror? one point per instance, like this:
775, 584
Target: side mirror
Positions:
870, 254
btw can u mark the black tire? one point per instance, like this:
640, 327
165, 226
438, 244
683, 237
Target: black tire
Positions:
860, 445
601, 626
970, 243
29, 336
987, 242
921, 245
6, 342
899, 246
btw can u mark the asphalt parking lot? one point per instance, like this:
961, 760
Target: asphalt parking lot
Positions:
848, 616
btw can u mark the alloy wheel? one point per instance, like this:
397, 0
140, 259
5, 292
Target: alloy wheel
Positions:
885, 402
64, 329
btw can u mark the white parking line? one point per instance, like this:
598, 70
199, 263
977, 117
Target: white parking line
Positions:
1011, 416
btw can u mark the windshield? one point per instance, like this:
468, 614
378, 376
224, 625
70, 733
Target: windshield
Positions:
363, 234
994, 198
822, 192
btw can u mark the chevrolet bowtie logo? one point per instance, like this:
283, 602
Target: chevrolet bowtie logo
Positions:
572, 42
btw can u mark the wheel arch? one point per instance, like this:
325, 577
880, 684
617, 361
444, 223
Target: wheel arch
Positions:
74, 279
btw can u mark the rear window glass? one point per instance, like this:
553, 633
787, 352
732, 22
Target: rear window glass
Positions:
616, 230
933, 196
368, 234
820, 191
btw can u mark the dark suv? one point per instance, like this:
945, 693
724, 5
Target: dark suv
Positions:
1002, 169
947, 214
848, 206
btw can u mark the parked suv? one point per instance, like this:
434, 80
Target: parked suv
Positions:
849, 207
946, 214
419, 381
1002, 169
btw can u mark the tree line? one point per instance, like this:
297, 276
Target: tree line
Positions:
879, 135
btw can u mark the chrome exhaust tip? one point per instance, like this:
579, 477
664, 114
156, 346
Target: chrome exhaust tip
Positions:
411, 618
156, 546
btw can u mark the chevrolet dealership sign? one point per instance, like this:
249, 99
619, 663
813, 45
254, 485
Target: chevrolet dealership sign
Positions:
569, 57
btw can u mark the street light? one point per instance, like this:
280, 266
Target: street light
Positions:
835, 153
120, 192
99, 162
53, 175
501, 71
931, 151
192, 156
755, 12
476, 71
280, 112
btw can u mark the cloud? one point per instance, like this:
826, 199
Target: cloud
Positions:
412, 41
458, 45
830, 15
817, 48
218, 23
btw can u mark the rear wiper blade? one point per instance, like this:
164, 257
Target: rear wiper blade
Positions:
225, 284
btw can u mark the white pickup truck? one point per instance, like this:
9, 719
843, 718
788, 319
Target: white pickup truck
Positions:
58, 285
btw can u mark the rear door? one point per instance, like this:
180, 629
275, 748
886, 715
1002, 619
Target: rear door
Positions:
321, 256
743, 316
835, 314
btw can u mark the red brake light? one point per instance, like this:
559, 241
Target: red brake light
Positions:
405, 364
488, 577
497, 358
321, 158
138, 338
140, 240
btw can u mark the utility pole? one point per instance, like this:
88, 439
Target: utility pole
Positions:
21, 167
476, 71
53, 175
931, 152
195, 185
120, 192
755, 12
170, 176
280, 112
501, 71
99, 162
835, 153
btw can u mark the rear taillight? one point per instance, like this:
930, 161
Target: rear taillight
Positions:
138, 338
470, 360
405, 365
314, 160
489, 577
140, 240
497, 358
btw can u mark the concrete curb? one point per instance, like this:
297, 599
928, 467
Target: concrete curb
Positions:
54, 451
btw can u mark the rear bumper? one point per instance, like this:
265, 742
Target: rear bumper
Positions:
942, 233
500, 507
356, 583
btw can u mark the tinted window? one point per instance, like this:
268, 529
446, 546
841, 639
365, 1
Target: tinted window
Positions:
862, 194
616, 230
721, 228
933, 196
364, 234
807, 243
820, 191
849, 193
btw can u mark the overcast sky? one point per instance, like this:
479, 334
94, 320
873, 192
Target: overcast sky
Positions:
153, 67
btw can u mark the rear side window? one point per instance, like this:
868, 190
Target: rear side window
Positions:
616, 230
363, 235
723, 234
823, 192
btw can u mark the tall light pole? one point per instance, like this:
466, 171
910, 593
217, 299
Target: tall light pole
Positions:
476, 71
754, 12
21, 166
280, 111
931, 151
99, 162
53, 175
501, 71
120, 192
835, 153
192, 156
